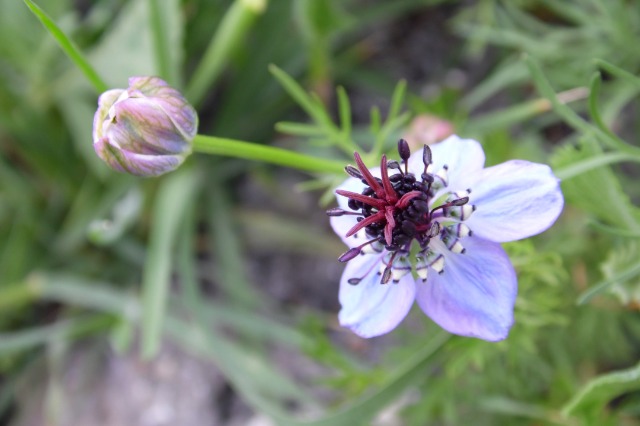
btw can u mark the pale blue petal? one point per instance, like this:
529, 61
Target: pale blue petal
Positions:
369, 308
464, 157
476, 293
514, 200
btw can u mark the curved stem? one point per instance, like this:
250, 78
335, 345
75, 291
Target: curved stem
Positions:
268, 154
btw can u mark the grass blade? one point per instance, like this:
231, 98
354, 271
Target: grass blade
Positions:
69, 47
233, 28
175, 194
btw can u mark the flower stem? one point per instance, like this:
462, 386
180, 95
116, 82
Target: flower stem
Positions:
268, 154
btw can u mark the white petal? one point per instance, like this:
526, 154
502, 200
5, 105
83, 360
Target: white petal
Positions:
514, 200
476, 293
464, 157
342, 224
369, 308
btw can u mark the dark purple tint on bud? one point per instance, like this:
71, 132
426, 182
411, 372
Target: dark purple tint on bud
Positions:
426, 155
349, 254
403, 150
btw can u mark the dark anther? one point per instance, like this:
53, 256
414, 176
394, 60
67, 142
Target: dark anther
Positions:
386, 275
426, 155
353, 204
354, 281
393, 164
434, 230
349, 254
427, 178
421, 206
403, 150
336, 211
409, 228
459, 202
353, 172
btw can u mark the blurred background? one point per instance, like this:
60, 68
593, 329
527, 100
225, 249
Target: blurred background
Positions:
209, 296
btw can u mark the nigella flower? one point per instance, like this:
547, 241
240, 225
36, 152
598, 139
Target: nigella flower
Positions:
429, 229
145, 130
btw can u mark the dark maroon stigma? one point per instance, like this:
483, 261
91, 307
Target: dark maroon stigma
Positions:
400, 207
394, 209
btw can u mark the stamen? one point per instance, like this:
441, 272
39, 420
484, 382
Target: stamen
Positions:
387, 272
355, 251
353, 172
434, 230
447, 206
400, 266
429, 259
426, 157
459, 201
460, 230
453, 244
459, 212
422, 269
394, 165
337, 211
349, 254
435, 261
403, 150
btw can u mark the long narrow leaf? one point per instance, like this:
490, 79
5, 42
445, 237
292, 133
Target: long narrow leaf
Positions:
233, 28
598, 392
69, 47
570, 116
174, 196
600, 160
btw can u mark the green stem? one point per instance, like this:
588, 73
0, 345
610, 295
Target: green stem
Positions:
268, 154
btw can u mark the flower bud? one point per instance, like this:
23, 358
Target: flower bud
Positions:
145, 130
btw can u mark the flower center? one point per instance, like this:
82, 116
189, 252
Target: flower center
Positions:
396, 210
